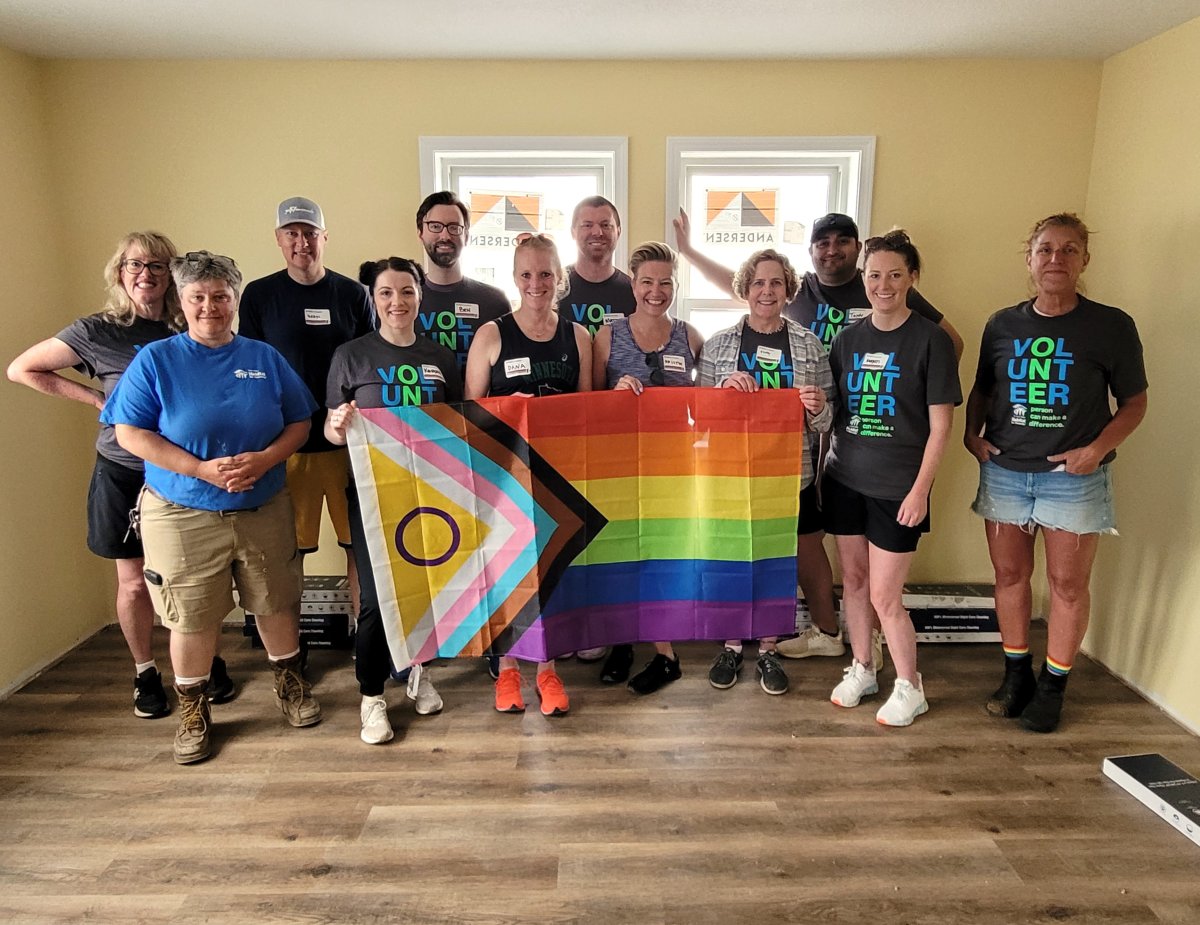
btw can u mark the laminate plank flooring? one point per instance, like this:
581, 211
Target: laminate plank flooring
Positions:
690, 806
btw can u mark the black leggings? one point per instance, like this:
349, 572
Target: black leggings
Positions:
372, 660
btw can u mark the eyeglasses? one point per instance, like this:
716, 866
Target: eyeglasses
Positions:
455, 228
201, 260
657, 375
134, 267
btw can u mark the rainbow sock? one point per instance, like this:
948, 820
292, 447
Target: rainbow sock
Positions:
1016, 652
1058, 669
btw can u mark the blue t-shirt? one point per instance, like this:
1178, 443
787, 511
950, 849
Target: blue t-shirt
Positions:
212, 402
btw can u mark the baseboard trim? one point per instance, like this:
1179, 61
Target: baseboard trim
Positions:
1146, 695
24, 678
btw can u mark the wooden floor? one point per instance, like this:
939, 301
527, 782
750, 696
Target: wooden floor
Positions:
689, 806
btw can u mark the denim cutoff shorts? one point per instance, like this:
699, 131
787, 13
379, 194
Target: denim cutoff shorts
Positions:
1054, 500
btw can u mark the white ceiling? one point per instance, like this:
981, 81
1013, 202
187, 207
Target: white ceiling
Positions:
571, 29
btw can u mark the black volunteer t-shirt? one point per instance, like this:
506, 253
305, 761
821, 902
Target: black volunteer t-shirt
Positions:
827, 310
886, 381
307, 324
535, 367
767, 357
379, 374
450, 315
1049, 379
595, 304
105, 349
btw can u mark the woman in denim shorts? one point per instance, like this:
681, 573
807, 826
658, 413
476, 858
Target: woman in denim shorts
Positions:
1040, 423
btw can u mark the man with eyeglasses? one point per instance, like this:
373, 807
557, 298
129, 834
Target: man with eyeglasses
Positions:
598, 291
453, 307
306, 311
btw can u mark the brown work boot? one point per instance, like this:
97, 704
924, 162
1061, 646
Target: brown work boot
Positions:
191, 740
294, 693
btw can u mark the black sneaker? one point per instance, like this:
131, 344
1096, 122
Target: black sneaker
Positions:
617, 665
220, 685
771, 676
1015, 692
493, 665
658, 673
149, 698
1045, 708
724, 671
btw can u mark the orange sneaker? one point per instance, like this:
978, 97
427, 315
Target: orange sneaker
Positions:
552, 694
508, 692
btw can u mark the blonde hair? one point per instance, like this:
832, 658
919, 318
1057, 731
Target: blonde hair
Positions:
118, 307
652, 252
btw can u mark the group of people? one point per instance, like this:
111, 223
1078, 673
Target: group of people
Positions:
218, 450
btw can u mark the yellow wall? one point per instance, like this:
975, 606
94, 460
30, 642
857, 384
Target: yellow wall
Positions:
1144, 202
203, 150
54, 590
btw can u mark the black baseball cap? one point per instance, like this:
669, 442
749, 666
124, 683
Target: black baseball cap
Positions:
836, 223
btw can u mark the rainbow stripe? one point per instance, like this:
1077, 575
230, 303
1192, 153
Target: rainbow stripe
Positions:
542, 526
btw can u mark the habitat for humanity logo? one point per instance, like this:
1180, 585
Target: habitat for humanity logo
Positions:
742, 216
293, 209
249, 374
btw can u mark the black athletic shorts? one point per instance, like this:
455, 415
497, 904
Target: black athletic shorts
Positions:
810, 512
112, 494
847, 512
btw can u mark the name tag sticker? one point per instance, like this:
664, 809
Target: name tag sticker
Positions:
432, 373
875, 361
674, 363
768, 354
466, 310
517, 367
317, 316
610, 317
857, 314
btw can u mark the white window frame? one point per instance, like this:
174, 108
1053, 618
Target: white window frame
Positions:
853, 157
442, 156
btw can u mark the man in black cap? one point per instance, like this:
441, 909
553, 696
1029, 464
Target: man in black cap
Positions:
830, 297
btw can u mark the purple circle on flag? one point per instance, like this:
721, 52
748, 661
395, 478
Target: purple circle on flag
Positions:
455, 537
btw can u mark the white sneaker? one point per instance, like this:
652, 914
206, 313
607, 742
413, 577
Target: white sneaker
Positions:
811, 642
905, 704
422, 691
375, 726
857, 681
876, 650
592, 655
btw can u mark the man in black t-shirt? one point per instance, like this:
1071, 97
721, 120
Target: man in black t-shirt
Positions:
453, 307
306, 311
598, 291
830, 297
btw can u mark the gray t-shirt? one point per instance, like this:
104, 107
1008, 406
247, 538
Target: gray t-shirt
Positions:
886, 381
105, 350
595, 304
378, 374
828, 310
450, 315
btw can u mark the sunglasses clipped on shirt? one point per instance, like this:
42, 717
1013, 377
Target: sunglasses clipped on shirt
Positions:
657, 374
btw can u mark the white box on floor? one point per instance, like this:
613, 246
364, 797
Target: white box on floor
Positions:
1168, 790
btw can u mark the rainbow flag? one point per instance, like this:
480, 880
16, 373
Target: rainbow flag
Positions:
537, 527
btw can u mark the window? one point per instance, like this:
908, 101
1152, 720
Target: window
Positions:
745, 194
519, 184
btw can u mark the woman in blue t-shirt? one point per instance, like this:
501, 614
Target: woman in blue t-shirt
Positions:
532, 352
647, 348
391, 367
1040, 423
215, 416
897, 382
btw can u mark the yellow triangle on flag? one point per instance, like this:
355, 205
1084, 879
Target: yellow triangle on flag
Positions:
422, 523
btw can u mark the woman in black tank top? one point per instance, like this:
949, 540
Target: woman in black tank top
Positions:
531, 352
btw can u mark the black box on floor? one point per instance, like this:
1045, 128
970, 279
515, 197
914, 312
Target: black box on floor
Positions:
319, 631
1163, 786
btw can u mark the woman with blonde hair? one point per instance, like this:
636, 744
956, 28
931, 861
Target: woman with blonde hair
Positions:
534, 351
142, 306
